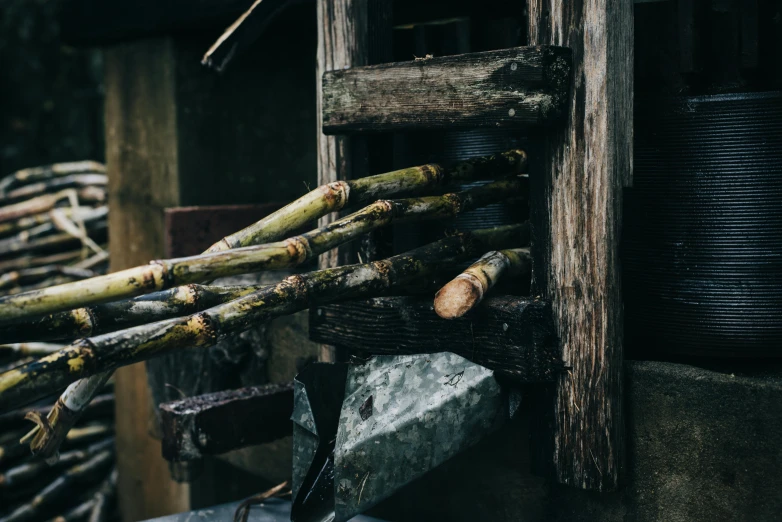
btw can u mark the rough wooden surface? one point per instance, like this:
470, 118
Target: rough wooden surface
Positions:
513, 336
516, 87
576, 232
94, 22
219, 422
351, 33
143, 179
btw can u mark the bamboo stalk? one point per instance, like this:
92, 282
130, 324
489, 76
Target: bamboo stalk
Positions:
83, 473
101, 509
107, 352
468, 288
109, 317
54, 185
46, 172
29, 471
336, 196
159, 275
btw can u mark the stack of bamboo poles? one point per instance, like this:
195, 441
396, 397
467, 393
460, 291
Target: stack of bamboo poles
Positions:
53, 223
53, 230
148, 311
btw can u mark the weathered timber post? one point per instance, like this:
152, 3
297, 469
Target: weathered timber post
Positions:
586, 164
351, 33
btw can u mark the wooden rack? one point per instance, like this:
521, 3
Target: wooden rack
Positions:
580, 96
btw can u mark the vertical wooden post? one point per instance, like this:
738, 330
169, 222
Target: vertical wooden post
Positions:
141, 158
586, 164
351, 33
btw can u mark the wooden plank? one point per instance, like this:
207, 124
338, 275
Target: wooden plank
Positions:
220, 422
191, 230
141, 162
351, 33
94, 22
576, 231
511, 335
519, 87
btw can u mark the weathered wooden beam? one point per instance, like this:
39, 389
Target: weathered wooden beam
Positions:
576, 217
219, 422
510, 335
517, 87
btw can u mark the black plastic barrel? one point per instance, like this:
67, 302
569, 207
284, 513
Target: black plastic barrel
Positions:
702, 249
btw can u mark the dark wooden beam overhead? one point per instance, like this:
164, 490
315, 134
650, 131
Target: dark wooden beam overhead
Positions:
510, 335
97, 22
576, 218
517, 87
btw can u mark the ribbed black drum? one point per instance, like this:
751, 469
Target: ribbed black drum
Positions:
702, 250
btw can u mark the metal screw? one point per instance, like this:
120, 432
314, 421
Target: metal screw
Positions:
514, 66
512, 112
504, 327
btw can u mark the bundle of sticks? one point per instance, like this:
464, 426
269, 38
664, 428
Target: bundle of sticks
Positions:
53, 225
151, 310
53, 230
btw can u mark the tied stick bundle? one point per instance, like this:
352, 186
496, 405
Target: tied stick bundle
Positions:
53, 220
202, 329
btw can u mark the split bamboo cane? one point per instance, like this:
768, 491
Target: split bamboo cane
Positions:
107, 352
463, 293
163, 274
336, 196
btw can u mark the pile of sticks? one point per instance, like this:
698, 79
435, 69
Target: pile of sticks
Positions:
148, 311
79, 485
53, 225
53, 230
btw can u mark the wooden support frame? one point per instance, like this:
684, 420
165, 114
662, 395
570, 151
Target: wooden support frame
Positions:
220, 422
513, 336
576, 229
517, 87
351, 33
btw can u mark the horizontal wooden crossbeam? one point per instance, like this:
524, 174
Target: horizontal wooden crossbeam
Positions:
518, 87
510, 335
219, 422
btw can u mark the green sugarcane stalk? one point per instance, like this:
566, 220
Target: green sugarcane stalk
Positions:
110, 317
78, 475
468, 288
336, 196
22, 474
54, 185
159, 275
33, 174
101, 509
107, 352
